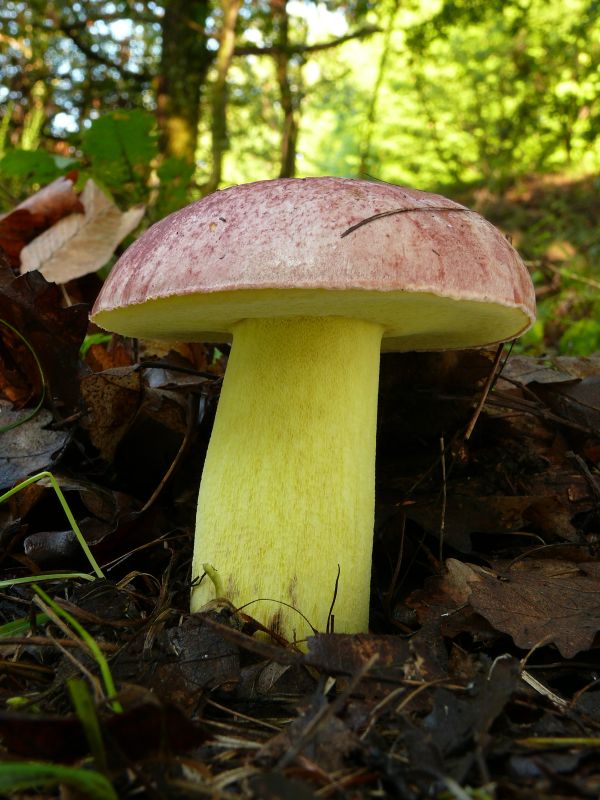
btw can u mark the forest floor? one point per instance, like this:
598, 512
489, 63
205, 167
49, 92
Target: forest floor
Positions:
479, 677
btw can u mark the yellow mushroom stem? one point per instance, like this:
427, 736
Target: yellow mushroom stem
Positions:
287, 491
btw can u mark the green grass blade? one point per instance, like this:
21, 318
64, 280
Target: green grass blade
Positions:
21, 775
19, 626
85, 709
50, 576
89, 640
65, 506
92, 339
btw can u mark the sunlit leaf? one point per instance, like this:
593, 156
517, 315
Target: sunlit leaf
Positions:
81, 243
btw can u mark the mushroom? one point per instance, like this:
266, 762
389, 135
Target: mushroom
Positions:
309, 277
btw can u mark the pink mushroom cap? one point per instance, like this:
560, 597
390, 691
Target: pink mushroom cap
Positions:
416, 262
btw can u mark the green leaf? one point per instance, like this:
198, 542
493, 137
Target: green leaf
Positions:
16, 776
120, 147
37, 166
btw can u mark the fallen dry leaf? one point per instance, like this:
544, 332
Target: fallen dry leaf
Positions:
536, 602
190, 658
456, 719
444, 600
101, 357
548, 514
112, 399
146, 726
346, 654
101, 512
542, 603
33, 307
39, 212
30, 447
82, 242
577, 401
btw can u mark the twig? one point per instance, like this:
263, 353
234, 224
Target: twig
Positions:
45, 641
566, 273
238, 715
389, 594
388, 699
178, 456
484, 395
393, 212
331, 615
444, 500
543, 690
587, 473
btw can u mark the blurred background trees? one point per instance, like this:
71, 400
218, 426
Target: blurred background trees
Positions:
493, 103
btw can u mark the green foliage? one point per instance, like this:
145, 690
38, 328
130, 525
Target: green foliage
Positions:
457, 792
121, 147
477, 97
175, 175
533, 340
5, 126
34, 166
474, 94
552, 221
119, 150
582, 337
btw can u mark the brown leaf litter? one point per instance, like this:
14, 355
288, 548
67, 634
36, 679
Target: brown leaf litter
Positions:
480, 668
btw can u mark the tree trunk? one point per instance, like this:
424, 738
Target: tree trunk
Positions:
289, 133
184, 63
366, 155
220, 142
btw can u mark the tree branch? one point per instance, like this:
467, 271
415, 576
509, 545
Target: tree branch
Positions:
72, 30
293, 49
71, 33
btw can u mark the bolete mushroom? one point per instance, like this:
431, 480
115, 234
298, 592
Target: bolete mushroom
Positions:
309, 277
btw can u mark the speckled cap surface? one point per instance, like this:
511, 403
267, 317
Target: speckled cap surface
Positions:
331, 234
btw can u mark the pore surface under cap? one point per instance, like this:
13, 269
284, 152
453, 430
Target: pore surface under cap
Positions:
433, 273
